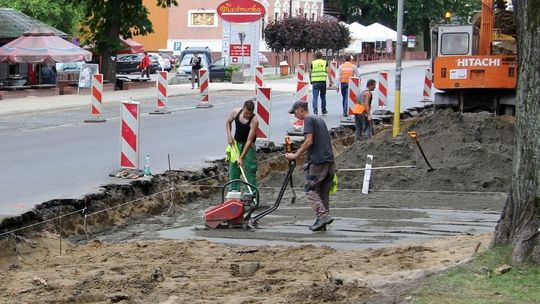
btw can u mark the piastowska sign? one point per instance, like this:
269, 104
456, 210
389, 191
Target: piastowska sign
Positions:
240, 11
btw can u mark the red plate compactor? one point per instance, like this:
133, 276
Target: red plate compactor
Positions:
237, 207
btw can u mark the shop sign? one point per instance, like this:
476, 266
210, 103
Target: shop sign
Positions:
240, 11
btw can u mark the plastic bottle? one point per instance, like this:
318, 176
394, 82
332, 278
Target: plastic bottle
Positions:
147, 166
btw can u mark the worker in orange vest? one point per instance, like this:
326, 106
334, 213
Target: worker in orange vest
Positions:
344, 73
362, 112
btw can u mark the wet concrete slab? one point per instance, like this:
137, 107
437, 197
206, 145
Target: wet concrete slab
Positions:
353, 228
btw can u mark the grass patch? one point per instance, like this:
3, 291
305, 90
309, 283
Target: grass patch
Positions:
477, 283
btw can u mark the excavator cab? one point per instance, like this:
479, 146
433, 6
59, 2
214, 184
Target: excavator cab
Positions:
466, 70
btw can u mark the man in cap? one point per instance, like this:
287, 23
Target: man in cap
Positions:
320, 167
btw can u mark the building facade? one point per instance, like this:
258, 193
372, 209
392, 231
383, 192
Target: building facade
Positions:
197, 24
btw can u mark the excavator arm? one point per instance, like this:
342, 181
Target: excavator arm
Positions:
486, 28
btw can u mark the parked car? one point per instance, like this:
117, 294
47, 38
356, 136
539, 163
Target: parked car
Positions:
171, 58
127, 64
217, 70
164, 62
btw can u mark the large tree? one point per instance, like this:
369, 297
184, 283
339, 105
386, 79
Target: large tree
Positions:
105, 20
303, 35
520, 219
416, 12
419, 15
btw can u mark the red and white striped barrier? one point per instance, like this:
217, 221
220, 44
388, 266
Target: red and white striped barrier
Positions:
297, 126
383, 89
129, 142
162, 93
262, 110
203, 79
427, 86
354, 92
259, 79
97, 99
332, 74
302, 91
301, 72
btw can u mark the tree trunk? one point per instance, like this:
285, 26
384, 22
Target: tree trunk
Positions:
108, 67
520, 219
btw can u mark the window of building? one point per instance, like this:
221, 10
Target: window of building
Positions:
203, 18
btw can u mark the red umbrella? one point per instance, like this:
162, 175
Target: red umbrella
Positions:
131, 46
40, 45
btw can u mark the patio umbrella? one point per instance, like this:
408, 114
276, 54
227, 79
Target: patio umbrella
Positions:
40, 45
131, 46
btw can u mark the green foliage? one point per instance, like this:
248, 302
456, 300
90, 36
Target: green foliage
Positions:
416, 12
60, 15
229, 71
505, 22
476, 282
105, 20
301, 34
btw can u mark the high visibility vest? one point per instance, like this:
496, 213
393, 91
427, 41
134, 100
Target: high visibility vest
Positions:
359, 109
346, 72
318, 70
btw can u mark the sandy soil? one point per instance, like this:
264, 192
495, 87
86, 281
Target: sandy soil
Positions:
470, 152
203, 272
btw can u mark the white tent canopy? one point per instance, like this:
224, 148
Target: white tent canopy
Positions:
356, 29
388, 33
362, 33
372, 33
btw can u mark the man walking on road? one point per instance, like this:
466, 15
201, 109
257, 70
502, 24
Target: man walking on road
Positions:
196, 65
320, 167
317, 74
362, 112
246, 124
344, 73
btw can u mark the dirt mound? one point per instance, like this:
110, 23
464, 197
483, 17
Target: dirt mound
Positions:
470, 152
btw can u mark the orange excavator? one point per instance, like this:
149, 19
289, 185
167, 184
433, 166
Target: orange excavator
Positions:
467, 71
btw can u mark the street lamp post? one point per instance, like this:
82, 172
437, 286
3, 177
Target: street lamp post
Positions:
399, 48
242, 36
290, 8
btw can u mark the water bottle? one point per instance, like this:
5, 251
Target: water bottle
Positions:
147, 166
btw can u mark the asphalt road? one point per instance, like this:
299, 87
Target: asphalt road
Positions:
52, 155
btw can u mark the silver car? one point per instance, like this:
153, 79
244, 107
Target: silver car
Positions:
164, 62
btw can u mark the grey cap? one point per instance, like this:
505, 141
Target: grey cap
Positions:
298, 104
